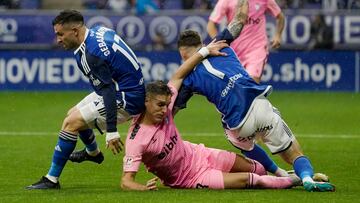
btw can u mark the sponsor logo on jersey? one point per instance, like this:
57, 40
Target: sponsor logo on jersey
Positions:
168, 147
230, 84
252, 21
94, 81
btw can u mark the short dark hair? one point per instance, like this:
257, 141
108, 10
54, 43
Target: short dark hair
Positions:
158, 87
189, 38
68, 16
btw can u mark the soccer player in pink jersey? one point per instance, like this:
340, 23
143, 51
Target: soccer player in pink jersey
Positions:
251, 46
154, 140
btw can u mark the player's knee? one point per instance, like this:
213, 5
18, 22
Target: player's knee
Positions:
73, 123
291, 154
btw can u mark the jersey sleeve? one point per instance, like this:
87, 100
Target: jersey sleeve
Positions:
101, 79
219, 11
273, 8
134, 149
184, 95
173, 96
225, 35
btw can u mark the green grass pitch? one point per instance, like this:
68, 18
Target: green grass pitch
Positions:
326, 125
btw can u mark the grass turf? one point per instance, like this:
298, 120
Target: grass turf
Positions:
326, 125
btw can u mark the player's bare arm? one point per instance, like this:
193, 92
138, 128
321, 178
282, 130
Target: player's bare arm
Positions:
212, 49
212, 29
280, 24
239, 21
128, 183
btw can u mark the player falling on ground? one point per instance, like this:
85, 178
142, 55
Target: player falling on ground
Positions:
154, 140
246, 113
119, 93
257, 151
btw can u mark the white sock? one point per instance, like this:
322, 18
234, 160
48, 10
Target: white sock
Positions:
281, 173
93, 153
52, 178
307, 179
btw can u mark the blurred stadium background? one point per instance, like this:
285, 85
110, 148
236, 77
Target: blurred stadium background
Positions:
316, 87
308, 60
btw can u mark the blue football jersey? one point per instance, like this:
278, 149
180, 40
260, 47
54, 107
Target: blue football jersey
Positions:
225, 83
105, 58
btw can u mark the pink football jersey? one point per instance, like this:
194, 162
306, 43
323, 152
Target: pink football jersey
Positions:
253, 39
176, 162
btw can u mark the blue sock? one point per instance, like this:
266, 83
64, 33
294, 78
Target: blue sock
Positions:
303, 168
88, 138
261, 156
65, 146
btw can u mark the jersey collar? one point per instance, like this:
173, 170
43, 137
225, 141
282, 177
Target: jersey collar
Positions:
86, 35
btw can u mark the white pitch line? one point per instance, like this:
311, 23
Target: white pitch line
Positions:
189, 134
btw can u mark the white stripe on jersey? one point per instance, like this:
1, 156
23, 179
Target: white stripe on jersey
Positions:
130, 50
212, 70
117, 88
127, 55
84, 63
123, 98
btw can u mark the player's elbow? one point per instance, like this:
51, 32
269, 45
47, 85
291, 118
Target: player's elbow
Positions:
281, 17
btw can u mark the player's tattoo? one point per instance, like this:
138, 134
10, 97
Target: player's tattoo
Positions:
237, 24
235, 28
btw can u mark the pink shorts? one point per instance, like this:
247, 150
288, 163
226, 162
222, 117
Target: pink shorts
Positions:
254, 61
219, 161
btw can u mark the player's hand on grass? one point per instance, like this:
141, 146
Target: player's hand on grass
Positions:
113, 142
151, 184
214, 47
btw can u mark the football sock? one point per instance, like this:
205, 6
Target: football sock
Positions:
258, 168
88, 138
64, 147
258, 154
273, 182
281, 172
303, 168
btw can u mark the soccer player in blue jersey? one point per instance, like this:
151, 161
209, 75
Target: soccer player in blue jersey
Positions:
115, 76
246, 112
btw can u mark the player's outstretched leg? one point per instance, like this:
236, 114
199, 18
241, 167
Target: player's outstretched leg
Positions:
91, 151
252, 180
66, 144
272, 182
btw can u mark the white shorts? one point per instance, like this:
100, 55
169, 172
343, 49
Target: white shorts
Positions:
264, 121
93, 112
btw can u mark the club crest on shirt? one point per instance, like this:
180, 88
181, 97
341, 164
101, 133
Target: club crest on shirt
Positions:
129, 160
257, 7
